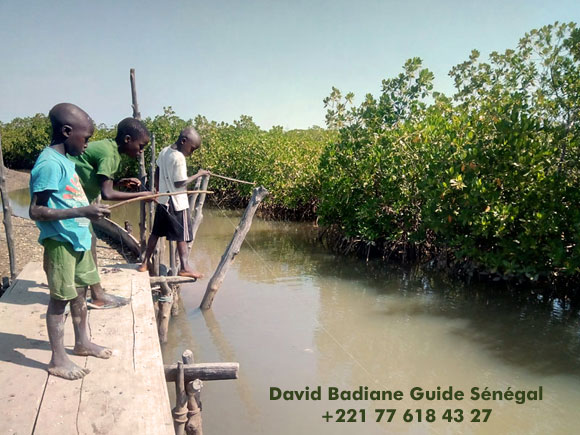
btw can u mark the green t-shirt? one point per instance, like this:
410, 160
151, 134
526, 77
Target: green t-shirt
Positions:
100, 158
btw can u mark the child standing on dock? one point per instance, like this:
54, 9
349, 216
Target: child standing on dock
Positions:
172, 217
97, 168
62, 212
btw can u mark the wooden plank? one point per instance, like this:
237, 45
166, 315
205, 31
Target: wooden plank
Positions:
60, 402
24, 350
129, 396
124, 394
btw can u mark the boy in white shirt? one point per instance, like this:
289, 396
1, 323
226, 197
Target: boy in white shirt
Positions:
172, 217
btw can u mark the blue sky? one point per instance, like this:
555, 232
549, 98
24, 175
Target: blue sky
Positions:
273, 60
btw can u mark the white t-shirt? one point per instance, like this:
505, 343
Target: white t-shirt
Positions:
172, 168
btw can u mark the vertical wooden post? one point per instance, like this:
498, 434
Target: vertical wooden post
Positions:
193, 196
164, 313
197, 212
180, 410
134, 105
193, 390
7, 210
233, 248
172, 263
156, 252
173, 272
142, 170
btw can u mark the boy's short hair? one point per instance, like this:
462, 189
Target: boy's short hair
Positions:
132, 127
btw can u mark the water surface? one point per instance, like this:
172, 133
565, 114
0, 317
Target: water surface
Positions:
294, 315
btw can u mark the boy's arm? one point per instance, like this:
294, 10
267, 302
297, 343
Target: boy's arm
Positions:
110, 194
39, 210
200, 173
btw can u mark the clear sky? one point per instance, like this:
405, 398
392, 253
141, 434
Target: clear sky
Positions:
274, 60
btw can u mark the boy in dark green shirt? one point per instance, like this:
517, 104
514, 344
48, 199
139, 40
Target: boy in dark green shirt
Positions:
96, 169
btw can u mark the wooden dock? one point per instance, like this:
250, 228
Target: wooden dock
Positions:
122, 395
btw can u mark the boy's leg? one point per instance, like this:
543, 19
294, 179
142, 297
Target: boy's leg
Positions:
83, 344
151, 243
98, 295
60, 364
184, 268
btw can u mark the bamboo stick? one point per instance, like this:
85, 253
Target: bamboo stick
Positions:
153, 196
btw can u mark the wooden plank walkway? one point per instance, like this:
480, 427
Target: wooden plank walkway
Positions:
124, 394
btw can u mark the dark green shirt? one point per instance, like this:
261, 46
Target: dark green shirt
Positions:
100, 158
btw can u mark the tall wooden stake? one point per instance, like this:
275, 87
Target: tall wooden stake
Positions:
7, 210
233, 248
142, 170
156, 253
180, 410
198, 211
193, 390
136, 113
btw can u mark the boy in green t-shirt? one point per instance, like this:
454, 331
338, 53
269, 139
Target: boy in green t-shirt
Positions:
97, 167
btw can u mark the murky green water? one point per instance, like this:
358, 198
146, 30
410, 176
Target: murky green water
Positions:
295, 316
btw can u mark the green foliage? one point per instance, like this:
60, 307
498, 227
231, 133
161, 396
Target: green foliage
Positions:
285, 162
23, 139
492, 173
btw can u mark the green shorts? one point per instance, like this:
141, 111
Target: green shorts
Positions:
67, 269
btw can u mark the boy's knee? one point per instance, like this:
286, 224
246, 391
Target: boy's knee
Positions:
57, 306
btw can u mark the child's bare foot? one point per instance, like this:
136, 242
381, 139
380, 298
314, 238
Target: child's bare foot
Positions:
190, 274
67, 370
144, 267
93, 349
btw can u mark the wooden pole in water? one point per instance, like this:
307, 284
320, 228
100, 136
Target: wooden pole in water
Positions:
7, 210
172, 263
233, 248
165, 302
193, 390
142, 170
180, 410
198, 214
193, 197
